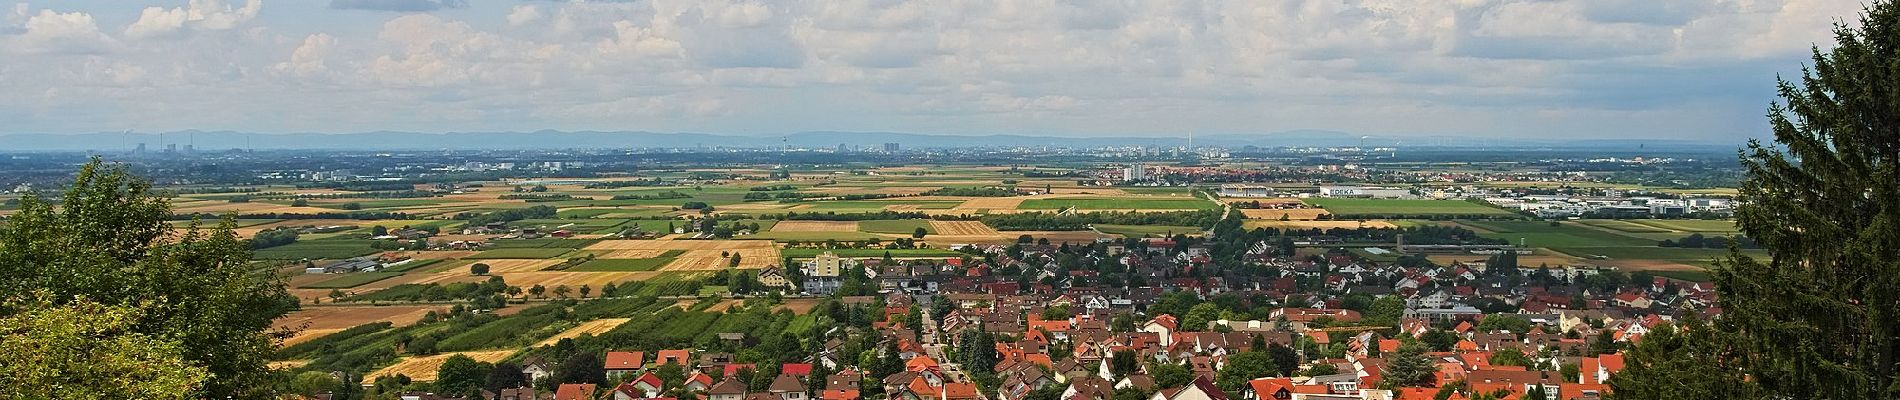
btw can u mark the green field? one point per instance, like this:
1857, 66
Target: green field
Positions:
317, 249
1676, 254
534, 252
345, 281
212, 222
809, 253
372, 204
1623, 226
1405, 208
571, 225
550, 243
411, 265
621, 264
1565, 234
872, 205
1147, 230
1691, 225
896, 226
1115, 203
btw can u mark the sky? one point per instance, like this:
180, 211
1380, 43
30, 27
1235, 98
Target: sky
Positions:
1684, 69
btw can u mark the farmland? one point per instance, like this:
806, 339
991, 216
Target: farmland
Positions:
841, 211
1115, 203
1404, 208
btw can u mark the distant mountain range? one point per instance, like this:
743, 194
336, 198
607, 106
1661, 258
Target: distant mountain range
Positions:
222, 140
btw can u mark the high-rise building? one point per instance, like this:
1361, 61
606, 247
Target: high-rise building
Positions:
1135, 173
890, 147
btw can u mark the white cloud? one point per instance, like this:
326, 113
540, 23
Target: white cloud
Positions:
310, 58
209, 15
1052, 66
525, 14
60, 33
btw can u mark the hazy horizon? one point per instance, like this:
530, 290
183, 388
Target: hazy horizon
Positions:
1700, 71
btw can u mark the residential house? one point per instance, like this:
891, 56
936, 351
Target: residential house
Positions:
576, 391
728, 389
622, 363
788, 387
1202, 389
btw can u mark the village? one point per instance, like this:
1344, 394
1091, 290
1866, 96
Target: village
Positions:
1023, 321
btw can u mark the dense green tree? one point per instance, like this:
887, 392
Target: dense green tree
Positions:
1691, 362
1198, 316
1170, 375
1439, 340
1242, 367
461, 376
313, 383
1820, 317
87, 350
505, 375
1124, 363
1285, 360
109, 241
582, 367
1408, 367
1385, 311
478, 268
1510, 357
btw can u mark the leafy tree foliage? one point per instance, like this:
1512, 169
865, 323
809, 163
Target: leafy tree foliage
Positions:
1690, 361
1170, 375
312, 383
1820, 318
1242, 367
505, 375
1285, 360
461, 376
108, 241
1408, 367
87, 350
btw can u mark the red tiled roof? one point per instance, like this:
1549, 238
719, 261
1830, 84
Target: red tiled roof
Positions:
796, 369
618, 360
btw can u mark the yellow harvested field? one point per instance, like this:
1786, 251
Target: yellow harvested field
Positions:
246, 208
681, 244
710, 260
594, 327
990, 203
1269, 223
314, 322
815, 226
306, 335
551, 279
644, 253
962, 228
287, 364
422, 369
1296, 214
498, 266
892, 190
